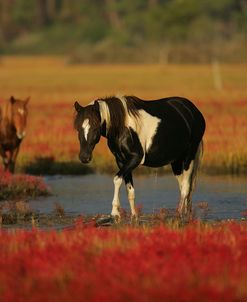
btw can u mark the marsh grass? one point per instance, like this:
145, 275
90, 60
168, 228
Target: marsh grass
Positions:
49, 166
54, 86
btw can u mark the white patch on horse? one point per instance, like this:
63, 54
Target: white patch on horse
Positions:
86, 127
104, 114
145, 126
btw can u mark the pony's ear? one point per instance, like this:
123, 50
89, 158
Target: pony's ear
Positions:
78, 107
12, 100
27, 100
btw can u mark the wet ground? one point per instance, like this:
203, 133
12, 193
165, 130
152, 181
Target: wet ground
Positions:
90, 196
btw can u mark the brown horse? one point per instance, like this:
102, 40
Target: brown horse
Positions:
13, 119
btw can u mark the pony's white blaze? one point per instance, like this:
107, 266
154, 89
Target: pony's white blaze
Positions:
86, 127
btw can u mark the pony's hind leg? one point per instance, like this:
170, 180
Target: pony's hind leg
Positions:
185, 184
185, 172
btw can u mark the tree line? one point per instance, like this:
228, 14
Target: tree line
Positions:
126, 30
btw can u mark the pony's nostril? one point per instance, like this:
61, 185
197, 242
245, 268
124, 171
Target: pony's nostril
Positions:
84, 159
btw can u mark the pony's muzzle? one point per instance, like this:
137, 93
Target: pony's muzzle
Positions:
21, 135
85, 158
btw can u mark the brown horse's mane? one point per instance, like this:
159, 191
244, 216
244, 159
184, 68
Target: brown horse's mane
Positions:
6, 116
6, 110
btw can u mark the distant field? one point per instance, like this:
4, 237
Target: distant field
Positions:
219, 91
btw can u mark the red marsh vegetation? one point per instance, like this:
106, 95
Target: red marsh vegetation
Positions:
194, 263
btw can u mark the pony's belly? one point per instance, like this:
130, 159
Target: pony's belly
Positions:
155, 164
155, 160
158, 157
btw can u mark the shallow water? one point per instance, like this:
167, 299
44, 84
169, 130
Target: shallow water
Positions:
92, 194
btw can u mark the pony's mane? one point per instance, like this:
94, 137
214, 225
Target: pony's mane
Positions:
116, 110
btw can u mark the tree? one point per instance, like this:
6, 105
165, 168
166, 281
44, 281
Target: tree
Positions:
42, 13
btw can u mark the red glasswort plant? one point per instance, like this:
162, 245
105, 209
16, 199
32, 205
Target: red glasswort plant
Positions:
19, 186
196, 263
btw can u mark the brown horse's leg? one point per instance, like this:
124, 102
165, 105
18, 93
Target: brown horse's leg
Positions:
12, 159
4, 158
6, 163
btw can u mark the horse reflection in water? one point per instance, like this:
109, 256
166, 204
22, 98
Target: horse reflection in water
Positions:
150, 133
13, 120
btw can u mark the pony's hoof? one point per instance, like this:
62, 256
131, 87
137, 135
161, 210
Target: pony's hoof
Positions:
185, 216
105, 221
134, 219
117, 219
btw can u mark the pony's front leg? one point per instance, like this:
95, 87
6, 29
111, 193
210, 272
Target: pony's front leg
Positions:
126, 173
116, 202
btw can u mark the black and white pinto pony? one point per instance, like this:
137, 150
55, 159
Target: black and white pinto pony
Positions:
150, 133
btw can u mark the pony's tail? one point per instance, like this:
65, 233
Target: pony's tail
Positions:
197, 164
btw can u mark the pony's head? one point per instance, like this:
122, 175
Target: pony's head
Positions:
17, 111
87, 124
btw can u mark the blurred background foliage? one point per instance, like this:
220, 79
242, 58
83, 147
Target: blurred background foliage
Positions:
179, 31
